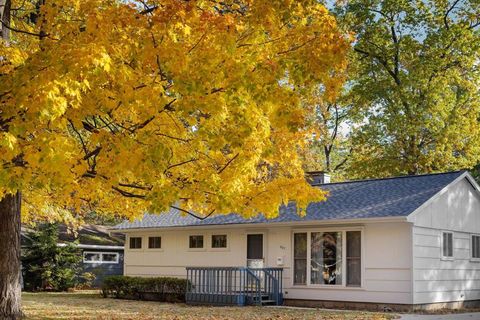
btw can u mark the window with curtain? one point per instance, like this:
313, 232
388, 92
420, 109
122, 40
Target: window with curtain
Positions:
322, 258
326, 258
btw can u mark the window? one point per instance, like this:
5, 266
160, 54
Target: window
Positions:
326, 258
300, 258
332, 258
196, 242
447, 244
154, 242
91, 257
100, 257
219, 241
354, 256
475, 247
135, 243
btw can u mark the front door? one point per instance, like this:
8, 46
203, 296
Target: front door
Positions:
255, 258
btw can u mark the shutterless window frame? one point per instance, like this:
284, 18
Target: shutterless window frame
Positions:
344, 253
150, 238
203, 247
447, 253
218, 235
475, 247
134, 241
101, 261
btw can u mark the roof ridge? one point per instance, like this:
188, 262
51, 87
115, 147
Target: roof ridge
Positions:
391, 178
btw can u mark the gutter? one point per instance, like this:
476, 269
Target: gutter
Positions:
271, 224
94, 246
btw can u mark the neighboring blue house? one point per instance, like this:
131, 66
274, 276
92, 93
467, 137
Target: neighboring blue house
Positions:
102, 253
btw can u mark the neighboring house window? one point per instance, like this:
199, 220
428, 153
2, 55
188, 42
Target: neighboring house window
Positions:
475, 246
447, 244
100, 257
135, 243
331, 254
196, 242
219, 241
154, 242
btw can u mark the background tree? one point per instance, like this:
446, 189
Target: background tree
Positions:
417, 84
45, 264
124, 107
329, 147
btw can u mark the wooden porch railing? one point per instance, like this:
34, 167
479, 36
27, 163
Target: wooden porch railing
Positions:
234, 286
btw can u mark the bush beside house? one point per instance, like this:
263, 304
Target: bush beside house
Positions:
138, 288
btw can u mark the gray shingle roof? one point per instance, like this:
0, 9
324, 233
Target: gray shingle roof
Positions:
375, 198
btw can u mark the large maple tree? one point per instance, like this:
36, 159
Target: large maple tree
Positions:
122, 106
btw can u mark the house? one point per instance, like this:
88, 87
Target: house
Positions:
402, 243
102, 252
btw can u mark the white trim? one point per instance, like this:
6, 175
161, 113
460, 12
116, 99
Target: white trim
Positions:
101, 253
93, 246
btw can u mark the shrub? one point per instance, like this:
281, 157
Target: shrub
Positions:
86, 280
160, 289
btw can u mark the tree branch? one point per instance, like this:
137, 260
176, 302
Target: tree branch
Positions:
193, 214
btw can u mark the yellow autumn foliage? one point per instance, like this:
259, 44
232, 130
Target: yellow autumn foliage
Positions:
120, 107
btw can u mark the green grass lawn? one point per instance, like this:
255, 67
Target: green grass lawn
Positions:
90, 305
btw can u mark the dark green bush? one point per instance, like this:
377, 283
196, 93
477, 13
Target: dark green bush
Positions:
160, 289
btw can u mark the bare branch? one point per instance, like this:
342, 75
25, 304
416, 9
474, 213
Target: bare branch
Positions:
227, 164
193, 214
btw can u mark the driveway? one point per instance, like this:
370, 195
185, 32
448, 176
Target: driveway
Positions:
453, 316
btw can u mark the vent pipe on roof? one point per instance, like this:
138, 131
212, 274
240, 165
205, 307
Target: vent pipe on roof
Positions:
317, 177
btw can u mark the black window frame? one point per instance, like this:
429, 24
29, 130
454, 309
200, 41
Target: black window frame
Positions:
219, 235
135, 243
196, 242
152, 242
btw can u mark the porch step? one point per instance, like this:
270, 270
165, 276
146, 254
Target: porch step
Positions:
268, 302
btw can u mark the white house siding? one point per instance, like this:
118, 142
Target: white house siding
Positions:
436, 279
386, 258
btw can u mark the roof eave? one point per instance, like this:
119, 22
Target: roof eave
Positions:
402, 218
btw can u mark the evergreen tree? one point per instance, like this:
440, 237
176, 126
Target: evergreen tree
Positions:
48, 266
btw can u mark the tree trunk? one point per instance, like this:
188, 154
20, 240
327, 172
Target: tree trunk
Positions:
5, 19
10, 226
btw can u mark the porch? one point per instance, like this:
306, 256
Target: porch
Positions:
238, 286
